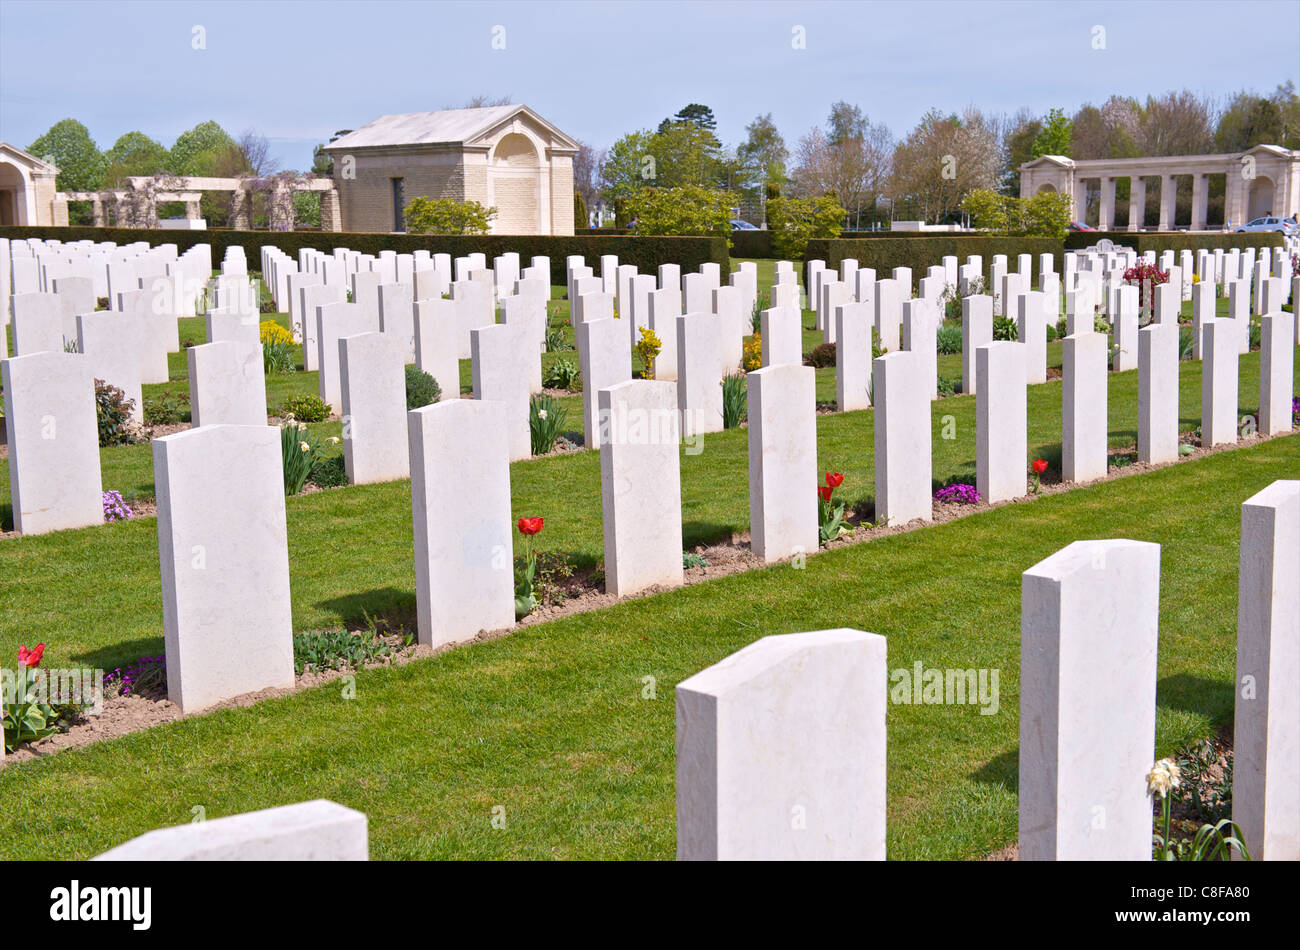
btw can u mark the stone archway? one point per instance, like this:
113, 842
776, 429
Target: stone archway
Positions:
15, 194
513, 180
1259, 200
1047, 188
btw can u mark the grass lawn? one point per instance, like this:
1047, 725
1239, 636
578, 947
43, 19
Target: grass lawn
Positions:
551, 723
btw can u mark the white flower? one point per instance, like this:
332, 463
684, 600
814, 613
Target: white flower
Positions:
333, 440
304, 446
302, 427
541, 413
1163, 777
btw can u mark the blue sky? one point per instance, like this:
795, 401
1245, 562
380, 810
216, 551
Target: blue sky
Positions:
296, 70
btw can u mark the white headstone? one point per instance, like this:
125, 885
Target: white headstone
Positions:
372, 384
1001, 420
782, 406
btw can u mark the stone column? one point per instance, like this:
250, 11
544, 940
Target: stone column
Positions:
192, 212
1080, 199
1200, 201
331, 217
1137, 202
1106, 214
240, 210
1168, 189
97, 211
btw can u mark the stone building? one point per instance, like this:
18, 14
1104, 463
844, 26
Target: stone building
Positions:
504, 157
27, 189
1259, 181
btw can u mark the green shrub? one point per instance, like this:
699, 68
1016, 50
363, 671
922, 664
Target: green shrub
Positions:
1004, 328
307, 407
1051, 332
796, 221
320, 650
546, 418
735, 400
949, 385
563, 374
820, 356
421, 388
948, 338
555, 341
113, 411
167, 409
688, 209
330, 472
425, 215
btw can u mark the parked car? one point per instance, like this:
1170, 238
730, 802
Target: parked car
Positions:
738, 225
1079, 226
1286, 226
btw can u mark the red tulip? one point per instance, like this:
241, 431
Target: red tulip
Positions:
530, 526
1040, 466
834, 479
825, 492
30, 657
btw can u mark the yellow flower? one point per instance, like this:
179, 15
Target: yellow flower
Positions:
333, 440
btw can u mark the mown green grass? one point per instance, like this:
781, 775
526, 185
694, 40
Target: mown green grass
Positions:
551, 723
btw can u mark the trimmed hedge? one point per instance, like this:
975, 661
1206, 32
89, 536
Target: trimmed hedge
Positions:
647, 253
884, 254
1143, 241
752, 244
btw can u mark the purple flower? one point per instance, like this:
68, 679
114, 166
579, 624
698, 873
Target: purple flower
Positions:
960, 493
115, 508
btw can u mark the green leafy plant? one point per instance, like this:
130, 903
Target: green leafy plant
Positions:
546, 418
306, 407
555, 341
113, 413
331, 472
563, 374
424, 215
948, 385
301, 451
690, 559
277, 357
1209, 843
167, 409
421, 388
948, 338
1185, 343
27, 718
320, 650
735, 400
831, 523
526, 599
1004, 328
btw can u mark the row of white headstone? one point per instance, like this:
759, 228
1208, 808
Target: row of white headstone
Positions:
781, 747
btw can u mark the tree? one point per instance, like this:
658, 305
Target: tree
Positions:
257, 153
762, 156
132, 155
196, 151
628, 165
424, 215
942, 159
586, 172
686, 209
1112, 131
1178, 123
68, 145
850, 162
1054, 137
322, 165
696, 114
1018, 147
483, 101
1249, 120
